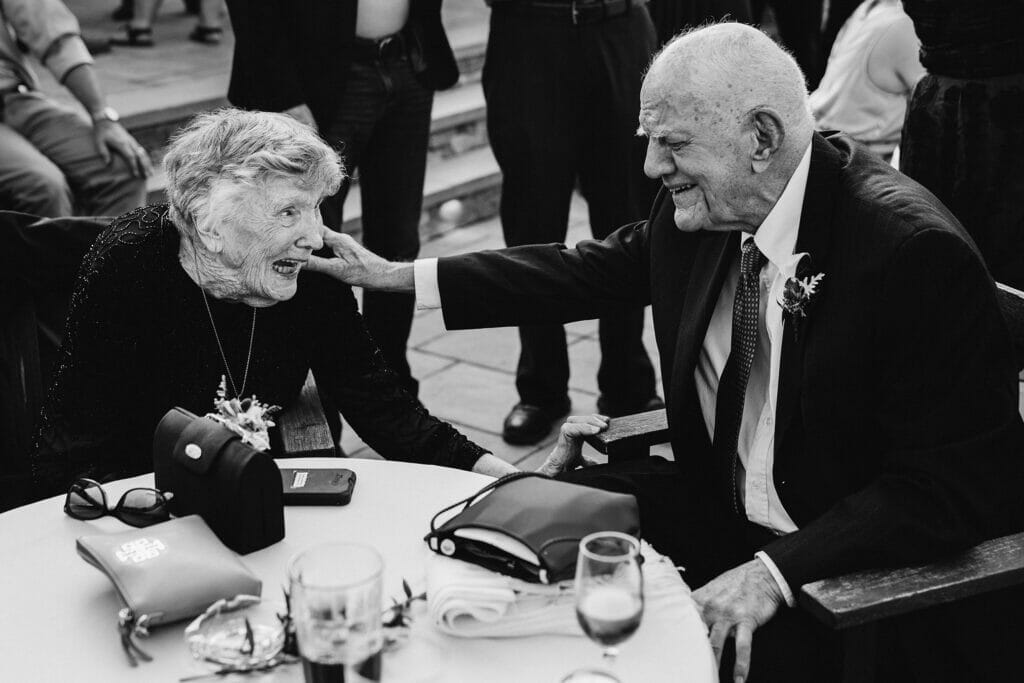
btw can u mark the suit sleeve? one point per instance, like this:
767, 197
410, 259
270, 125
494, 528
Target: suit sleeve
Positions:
946, 404
349, 367
544, 284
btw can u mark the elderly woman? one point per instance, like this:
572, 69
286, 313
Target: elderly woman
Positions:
170, 299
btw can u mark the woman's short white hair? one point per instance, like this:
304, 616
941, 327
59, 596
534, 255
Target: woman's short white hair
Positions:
246, 148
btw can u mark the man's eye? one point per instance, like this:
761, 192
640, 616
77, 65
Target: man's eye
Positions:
289, 212
677, 146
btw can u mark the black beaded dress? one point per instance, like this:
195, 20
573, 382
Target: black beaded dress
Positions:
139, 342
963, 137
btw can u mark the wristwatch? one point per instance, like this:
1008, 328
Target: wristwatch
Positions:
106, 114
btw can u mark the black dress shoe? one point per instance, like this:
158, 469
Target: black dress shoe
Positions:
617, 409
527, 424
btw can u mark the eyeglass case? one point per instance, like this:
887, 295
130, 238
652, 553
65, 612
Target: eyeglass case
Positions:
168, 571
212, 473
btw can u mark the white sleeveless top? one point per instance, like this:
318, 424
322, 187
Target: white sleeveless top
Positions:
847, 99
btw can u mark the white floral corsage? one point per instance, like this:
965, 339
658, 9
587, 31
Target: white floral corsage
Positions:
799, 293
248, 418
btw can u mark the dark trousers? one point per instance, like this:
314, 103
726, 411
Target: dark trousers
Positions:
562, 105
382, 128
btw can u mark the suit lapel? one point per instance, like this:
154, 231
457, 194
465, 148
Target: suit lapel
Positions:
814, 238
711, 263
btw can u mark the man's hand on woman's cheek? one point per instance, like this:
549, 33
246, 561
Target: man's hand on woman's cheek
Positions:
356, 265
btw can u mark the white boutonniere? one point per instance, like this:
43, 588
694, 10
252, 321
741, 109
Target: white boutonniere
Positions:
248, 418
799, 291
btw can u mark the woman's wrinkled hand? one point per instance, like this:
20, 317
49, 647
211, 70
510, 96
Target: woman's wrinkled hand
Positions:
568, 452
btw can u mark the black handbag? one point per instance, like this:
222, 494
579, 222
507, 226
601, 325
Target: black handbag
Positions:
529, 526
235, 488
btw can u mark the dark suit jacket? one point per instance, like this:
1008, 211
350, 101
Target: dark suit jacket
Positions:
290, 53
897, 433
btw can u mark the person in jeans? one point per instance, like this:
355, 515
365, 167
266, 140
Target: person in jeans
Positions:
365, 73
54, 161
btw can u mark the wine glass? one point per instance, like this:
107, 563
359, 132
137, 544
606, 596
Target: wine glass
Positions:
609, 596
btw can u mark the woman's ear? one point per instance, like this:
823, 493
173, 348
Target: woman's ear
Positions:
769, 134
209, 233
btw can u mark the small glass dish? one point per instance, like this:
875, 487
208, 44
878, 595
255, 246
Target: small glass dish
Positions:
241, 634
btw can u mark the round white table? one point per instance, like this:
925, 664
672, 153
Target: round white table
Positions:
59, 614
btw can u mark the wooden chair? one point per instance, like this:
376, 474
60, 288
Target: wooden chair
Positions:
855, 604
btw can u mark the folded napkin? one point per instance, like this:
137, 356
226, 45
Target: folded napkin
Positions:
466, 600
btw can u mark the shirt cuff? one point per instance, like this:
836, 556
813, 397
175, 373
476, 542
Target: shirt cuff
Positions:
787, 594
428, 294
70, 52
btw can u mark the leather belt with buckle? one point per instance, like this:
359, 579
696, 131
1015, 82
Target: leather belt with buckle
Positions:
576, 11
387, 49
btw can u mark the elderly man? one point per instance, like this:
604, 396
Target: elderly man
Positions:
840, 387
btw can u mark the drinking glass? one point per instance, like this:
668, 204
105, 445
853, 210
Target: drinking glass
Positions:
609, 596
336, 609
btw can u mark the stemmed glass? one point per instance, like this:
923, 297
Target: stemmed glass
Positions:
609, 596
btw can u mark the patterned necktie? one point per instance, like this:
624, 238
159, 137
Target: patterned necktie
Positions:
732, 387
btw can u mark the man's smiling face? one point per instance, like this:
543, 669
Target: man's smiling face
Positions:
699, 152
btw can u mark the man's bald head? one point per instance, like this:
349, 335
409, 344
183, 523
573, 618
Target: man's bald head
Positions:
738, 68
726, 112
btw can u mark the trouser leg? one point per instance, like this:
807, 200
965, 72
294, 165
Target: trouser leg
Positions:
392, 203
529, 90
616, 189
65, 137
799, 26
29, 182
382, 129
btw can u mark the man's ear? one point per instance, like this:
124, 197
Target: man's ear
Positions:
769, 133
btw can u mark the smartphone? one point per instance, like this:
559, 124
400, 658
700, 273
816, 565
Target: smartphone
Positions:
332, 486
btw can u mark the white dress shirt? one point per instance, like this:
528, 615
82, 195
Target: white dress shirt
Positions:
776, 238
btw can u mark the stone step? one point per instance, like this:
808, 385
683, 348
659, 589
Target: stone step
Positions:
467, 185
457, 121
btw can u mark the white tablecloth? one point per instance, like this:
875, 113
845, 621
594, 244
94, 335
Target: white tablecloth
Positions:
58, 614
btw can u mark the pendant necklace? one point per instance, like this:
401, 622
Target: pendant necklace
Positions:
220, 347
216, 336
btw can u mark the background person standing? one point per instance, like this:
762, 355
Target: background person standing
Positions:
561, 82
365, 72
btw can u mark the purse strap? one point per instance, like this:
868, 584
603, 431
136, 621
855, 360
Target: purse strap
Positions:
466, 502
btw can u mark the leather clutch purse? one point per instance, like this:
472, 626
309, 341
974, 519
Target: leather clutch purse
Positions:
235, 488
529, 526
166, 572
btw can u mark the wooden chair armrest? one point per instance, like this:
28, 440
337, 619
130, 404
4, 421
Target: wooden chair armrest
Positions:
304, 428
863, 597
630, 432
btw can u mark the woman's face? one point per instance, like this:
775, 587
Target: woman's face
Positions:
268, 234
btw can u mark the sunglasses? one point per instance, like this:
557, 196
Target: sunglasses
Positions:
138, 507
